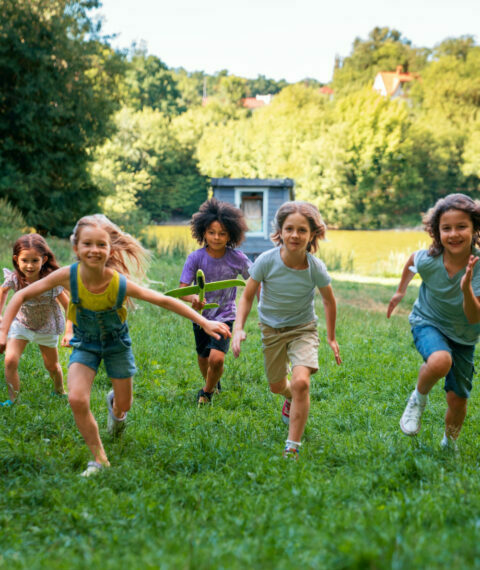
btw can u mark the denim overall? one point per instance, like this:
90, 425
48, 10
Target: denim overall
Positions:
101, 334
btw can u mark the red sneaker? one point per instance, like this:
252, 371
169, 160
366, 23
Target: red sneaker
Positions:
286, 412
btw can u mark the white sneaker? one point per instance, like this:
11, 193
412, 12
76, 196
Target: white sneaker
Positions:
114, 425
449, 444
92, 469
411, 420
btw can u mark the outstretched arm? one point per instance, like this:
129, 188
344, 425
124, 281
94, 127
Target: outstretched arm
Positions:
3, 298
330, 308
244, 308
212, 328
58, 277
471, 304
407, 276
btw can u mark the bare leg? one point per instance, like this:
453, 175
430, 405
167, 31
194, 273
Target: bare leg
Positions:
455, 415
282, 387
203, 365
50, 359
436, 367
122, 396
216, 359
80, 380
14, 350
300, 387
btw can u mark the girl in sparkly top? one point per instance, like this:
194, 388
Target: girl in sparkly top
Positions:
40, 319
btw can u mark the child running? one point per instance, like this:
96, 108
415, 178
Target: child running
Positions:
40, 319
288, 275
97, 310
220, 227
445, 319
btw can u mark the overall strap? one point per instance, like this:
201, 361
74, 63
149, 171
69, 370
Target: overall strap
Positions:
122, 288
74, 283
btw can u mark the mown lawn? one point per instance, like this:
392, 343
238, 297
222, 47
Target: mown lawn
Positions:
208, 488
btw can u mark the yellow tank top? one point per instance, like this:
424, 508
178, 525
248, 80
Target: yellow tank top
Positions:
97, 301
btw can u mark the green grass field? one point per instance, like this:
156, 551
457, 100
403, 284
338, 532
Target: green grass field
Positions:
208, 489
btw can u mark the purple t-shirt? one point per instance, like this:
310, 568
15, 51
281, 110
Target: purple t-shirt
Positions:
230, 266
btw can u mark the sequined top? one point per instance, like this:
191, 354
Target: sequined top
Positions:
41, 314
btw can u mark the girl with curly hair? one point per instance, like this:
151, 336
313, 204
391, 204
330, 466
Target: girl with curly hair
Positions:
219, 227
445, 319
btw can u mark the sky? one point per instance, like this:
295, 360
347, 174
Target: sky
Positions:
281, 39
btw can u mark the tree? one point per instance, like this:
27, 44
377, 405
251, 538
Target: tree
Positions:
144, 168
383, 50
57, 92
151, 84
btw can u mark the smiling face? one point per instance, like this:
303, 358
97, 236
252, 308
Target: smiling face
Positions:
93, 246
217, 238
295, 233
30, 263
456, 232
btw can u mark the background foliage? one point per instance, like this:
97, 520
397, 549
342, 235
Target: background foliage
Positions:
87, 128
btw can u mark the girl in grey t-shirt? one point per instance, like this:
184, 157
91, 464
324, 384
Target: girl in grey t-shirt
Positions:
445, 319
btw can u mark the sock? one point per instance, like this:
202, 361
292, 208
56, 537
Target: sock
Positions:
295, 444
421, 398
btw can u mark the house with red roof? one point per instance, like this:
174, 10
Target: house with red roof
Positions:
394, 84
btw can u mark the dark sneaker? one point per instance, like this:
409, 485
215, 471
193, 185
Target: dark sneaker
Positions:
204, 397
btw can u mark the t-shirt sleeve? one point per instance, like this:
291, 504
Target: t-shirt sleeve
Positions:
320, 275
189, 270
57, 290
257, 269
10, 279
246, 264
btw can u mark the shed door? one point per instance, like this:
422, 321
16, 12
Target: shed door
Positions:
253, 204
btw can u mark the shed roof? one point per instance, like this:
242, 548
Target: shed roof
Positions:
270, 182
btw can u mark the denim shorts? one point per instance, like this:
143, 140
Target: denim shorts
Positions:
115, 351
204, 342
429, 339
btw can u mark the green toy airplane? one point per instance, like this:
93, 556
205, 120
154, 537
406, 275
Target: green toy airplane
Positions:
203, 287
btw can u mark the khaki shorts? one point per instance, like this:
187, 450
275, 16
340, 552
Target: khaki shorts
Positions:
296, 345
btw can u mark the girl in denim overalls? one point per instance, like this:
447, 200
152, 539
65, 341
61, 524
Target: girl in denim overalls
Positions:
100, 331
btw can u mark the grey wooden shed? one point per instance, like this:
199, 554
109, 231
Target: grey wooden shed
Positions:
259, 199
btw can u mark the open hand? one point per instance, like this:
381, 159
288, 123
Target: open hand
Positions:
336, 350
216, 329
67, 337
467, 278
238, 338
394, 301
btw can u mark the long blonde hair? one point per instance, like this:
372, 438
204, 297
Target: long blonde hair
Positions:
127, 255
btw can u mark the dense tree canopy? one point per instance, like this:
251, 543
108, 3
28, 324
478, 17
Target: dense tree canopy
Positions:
58, 84
84, 127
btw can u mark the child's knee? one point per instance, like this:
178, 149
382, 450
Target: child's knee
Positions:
456, 403
300, 386
440, 363
53, 367
11, 362
216, 360
78, 402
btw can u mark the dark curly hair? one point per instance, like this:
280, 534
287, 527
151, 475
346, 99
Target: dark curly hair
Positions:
431, 220
38, 243
231, 218
310, 212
